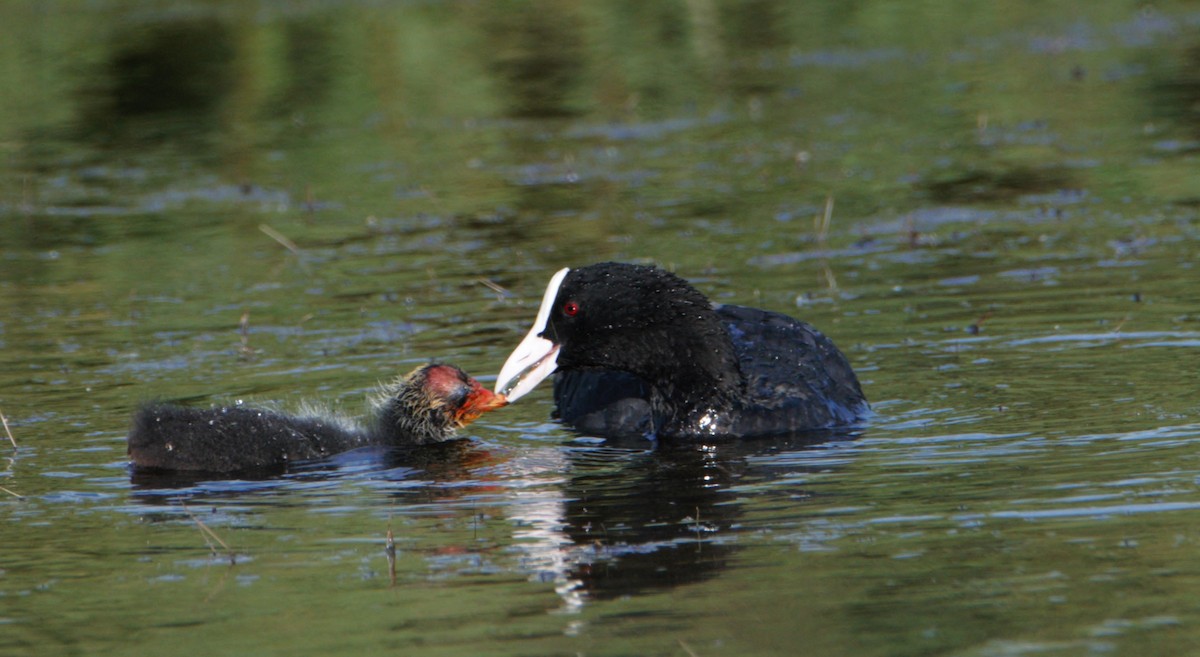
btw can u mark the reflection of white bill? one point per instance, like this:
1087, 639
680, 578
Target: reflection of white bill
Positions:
539, 512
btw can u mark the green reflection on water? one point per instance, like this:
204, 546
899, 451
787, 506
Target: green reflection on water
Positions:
1028, 485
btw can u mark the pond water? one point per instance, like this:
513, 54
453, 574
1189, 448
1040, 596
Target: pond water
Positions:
993, 210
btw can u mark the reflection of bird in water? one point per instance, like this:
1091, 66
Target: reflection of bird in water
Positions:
649, 524
427, 406
624, 522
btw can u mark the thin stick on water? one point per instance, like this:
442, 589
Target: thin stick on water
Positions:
822, 221
687, 648
495, 287
7, 430
390, 549
16, 495
830, 279
245, 351
975, 328
698, 530
280, 237
208, 533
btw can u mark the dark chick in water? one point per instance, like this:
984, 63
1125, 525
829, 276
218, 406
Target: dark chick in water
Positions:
637, 351
426, 406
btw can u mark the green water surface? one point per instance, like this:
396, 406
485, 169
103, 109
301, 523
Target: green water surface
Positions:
992, 208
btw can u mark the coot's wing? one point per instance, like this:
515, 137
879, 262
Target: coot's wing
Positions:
797, 380
797, 377
604, 403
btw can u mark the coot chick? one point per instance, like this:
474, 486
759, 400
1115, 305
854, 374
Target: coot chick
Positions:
640, 352
426, 406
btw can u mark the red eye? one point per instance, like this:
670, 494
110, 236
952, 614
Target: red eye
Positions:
570, 309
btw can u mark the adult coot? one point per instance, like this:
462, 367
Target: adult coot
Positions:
426, 406
640, 352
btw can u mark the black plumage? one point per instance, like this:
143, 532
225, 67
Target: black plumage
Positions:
424, 407
637, 350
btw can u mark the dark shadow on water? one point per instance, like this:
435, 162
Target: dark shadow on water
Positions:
1000, 185
161, 80
1175, 99
310, 47
443, 462
538, 56
660, 519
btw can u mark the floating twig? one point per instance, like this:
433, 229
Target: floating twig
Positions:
245, 351
975, 328
830, 279
822, 221
390, 549
208, 533
698, 531
280, 237
495, 287
687, 648
7, 430
16, 495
